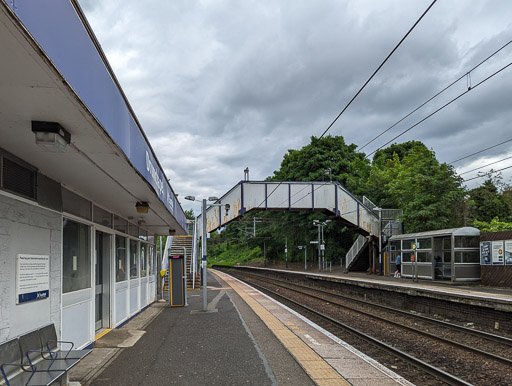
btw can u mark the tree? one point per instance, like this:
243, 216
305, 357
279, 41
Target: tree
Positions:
427, 191
189, 214
486, 203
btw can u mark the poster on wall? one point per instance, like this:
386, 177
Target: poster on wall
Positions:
32, 277
485, 252
508, 251
497, 252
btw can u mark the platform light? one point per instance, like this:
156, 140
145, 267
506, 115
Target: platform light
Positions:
142, 207
51, 136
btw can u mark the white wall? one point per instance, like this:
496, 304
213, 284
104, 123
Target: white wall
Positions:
28, 229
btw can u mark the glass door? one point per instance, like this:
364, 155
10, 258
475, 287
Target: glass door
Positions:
102, 275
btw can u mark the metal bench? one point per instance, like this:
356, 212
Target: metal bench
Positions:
36, 358
16, 374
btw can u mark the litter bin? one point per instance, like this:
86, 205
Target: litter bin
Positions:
177, 281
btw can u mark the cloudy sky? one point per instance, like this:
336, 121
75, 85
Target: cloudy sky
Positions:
221, 85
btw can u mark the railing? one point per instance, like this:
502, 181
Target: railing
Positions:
392, 228
355, 250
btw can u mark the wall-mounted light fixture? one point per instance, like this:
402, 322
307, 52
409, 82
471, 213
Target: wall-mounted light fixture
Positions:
142, 207
51, 136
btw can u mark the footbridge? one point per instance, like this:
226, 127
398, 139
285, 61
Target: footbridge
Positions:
330, 197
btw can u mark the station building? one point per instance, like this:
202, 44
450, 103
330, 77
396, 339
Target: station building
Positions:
82, 194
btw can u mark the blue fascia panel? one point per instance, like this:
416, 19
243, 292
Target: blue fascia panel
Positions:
56, 27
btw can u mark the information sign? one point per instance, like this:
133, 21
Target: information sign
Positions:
497, 252
32, 277
508, 251
485, 252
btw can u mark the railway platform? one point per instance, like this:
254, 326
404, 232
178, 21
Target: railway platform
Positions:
244, 338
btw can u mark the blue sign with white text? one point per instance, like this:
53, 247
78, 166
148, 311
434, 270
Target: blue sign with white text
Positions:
22, 298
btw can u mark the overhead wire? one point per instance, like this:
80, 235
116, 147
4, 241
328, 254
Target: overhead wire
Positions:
480, 151
441, 108
488, 173
437, 94
481, 167
378, 68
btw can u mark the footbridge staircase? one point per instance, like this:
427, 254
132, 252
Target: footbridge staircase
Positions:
328, 197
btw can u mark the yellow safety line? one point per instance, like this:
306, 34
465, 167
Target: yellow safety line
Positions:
315, 366
102, 333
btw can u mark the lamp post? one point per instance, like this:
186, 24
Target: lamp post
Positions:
321, 243
380, 240
203, 243
305, 256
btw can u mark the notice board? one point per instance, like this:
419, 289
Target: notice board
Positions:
32, 277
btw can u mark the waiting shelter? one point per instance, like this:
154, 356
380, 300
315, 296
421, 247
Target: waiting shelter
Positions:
447, 254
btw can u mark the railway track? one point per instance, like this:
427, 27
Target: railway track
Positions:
450, 353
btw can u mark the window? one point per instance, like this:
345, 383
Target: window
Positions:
407, 244
467, 257
424, 257
133, 230
74, 204
425, 243
101, 216
467, 241
143, 271
395, 246
151, 257
120, 224
76, 257
120, 258
134, 260
406, 257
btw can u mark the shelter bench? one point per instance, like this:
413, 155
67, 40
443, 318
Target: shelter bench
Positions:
36, 358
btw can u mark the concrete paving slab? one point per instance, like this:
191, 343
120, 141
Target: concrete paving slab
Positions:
120, 338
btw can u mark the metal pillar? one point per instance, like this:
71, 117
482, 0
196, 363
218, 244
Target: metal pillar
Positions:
204, 261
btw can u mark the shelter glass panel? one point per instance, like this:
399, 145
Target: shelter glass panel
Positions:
447, 257
467, 241
438, 243
134, 260
406, 257
76, 256
121, 257
424, 257
395, 245
425, 243
407, 244
447, 243
467, 257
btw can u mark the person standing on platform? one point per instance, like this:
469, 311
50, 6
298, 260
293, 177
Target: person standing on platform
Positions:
398, 272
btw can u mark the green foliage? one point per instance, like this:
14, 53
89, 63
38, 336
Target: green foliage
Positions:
404, 176
485, 203
427, 191
189, 214
495, 225
311, 162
